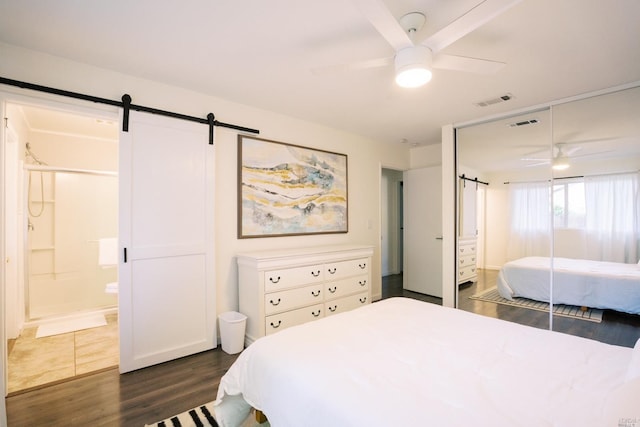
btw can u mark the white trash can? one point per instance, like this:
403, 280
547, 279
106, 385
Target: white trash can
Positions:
232, 326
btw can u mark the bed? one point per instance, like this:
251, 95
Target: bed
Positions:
402, 362
595, 284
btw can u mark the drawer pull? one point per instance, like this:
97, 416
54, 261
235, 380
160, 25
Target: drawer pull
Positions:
363, 300
316, 314
461, 249
461, 261
274, 303
332, 270
315, 273
315, 293
333, 290
274, 281
362, 283
276, 326
333, 309
362, 266
461, 273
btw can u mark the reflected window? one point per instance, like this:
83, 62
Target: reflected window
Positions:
569, 204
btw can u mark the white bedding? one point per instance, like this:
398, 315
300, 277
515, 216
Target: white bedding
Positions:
580, 282
401, 362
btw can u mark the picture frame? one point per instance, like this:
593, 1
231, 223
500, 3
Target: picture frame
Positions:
290, 190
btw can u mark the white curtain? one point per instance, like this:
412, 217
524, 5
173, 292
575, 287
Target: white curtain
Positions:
613, 217
530, 219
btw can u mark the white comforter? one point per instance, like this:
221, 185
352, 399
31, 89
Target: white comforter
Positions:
401, 362
580, 282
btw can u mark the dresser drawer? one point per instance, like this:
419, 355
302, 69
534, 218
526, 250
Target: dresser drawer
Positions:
466, 273
276, 280
278, 322
352, 267
346, 303
340, 288
277, 302
467, 260
466, 249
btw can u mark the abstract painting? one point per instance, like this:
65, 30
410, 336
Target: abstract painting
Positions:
286, 189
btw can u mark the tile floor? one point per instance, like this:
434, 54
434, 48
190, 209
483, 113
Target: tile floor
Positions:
36, 361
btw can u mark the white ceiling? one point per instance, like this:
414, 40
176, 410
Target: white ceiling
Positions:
264, 53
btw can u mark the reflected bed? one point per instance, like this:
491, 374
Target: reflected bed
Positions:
595, 284
402, 362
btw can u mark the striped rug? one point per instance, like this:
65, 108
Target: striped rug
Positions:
492, 295
202, 416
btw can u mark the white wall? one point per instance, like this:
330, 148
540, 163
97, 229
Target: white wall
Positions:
364, 155
425, 156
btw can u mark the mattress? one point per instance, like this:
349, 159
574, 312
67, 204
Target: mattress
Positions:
596, 284
402, 362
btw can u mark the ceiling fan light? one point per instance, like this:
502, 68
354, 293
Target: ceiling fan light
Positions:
413, 66
414, 77
560, 163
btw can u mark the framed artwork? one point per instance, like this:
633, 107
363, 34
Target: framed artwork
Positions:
287, 190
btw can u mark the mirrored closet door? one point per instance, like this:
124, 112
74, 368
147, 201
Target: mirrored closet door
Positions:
549, 200
500, 165
596, 206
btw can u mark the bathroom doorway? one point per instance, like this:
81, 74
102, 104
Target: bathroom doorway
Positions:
62, 201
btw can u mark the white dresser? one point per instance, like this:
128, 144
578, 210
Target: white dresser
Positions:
283, 288
467, 255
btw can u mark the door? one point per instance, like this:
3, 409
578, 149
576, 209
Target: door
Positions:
423, 231
166, 241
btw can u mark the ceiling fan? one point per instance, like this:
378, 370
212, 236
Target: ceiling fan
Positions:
562, 157
414, 61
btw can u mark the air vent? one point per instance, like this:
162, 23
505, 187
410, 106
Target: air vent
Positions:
523, 123
492, 101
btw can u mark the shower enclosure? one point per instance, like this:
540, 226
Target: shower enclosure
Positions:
69, 212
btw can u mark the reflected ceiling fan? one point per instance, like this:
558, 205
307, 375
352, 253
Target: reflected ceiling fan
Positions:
561, 158
414, 61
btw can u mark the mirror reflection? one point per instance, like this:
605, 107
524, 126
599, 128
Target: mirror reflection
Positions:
596, 167
500, 153
559, 219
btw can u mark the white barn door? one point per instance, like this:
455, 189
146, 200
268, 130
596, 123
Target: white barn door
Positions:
166, 238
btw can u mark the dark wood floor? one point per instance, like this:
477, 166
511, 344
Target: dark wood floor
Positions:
158, 392
133, 399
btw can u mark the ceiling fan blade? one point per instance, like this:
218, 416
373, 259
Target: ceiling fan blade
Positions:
589, 141
570, 151
473, 19
592, 154
530, 165
534, 159
463, 63
387, 25
361, 65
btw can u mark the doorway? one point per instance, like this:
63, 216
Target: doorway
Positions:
391, 214
61, 190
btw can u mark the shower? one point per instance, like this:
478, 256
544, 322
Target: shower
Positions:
70, 212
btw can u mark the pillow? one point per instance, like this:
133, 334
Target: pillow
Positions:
633, 371
231, 410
